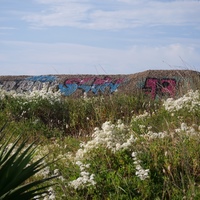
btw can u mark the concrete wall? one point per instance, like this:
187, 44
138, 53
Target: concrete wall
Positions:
156, 83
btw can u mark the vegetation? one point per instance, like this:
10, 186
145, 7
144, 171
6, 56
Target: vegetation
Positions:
16, 167
114, 147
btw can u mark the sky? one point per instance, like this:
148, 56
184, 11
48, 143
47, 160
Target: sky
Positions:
41, 37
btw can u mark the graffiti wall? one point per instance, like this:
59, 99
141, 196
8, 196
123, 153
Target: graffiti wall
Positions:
155, 83
94, 84
169, 83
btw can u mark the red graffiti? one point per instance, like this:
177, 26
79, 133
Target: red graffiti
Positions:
155, 86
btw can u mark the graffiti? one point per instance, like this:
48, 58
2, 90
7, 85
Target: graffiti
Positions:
93, 84
24, 86
31, 83
49, 83
42, 78
160, 87
8, 85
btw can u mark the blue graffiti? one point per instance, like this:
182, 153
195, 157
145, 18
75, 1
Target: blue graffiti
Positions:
100, 85
42, 78
86, 88
68, 89
113, 87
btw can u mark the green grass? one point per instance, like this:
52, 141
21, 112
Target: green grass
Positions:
151, 153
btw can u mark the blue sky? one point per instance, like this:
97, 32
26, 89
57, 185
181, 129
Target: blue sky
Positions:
98, 36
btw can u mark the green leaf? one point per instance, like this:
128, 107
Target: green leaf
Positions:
16, 168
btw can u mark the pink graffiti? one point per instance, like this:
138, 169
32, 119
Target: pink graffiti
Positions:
168, 86
94, 80
154, 86
77, 80
100, 81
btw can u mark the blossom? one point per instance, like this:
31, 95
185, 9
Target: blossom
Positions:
191, 100
110, 136
140, 172
86, 179
188, 130
34, 94
134, 154
141, 116
83, 181
153, 135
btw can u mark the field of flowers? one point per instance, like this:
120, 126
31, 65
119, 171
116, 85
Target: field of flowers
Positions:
114, 147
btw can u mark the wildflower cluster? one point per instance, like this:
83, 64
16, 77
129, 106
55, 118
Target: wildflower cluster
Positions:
141, 116
110, 136
153, 135
33, 95
188, 130
189, 101
85, 180
140, 172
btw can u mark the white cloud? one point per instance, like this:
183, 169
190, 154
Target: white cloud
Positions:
59, 13
41, 58
154, 44
124, 14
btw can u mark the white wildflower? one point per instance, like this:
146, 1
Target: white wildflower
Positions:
189, 101
188, 130
113, 137
140, 172
31, 95
86, 179
141, 116
83, 181
134, 154
153, 135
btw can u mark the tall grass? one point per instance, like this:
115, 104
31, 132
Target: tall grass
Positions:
73, 116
